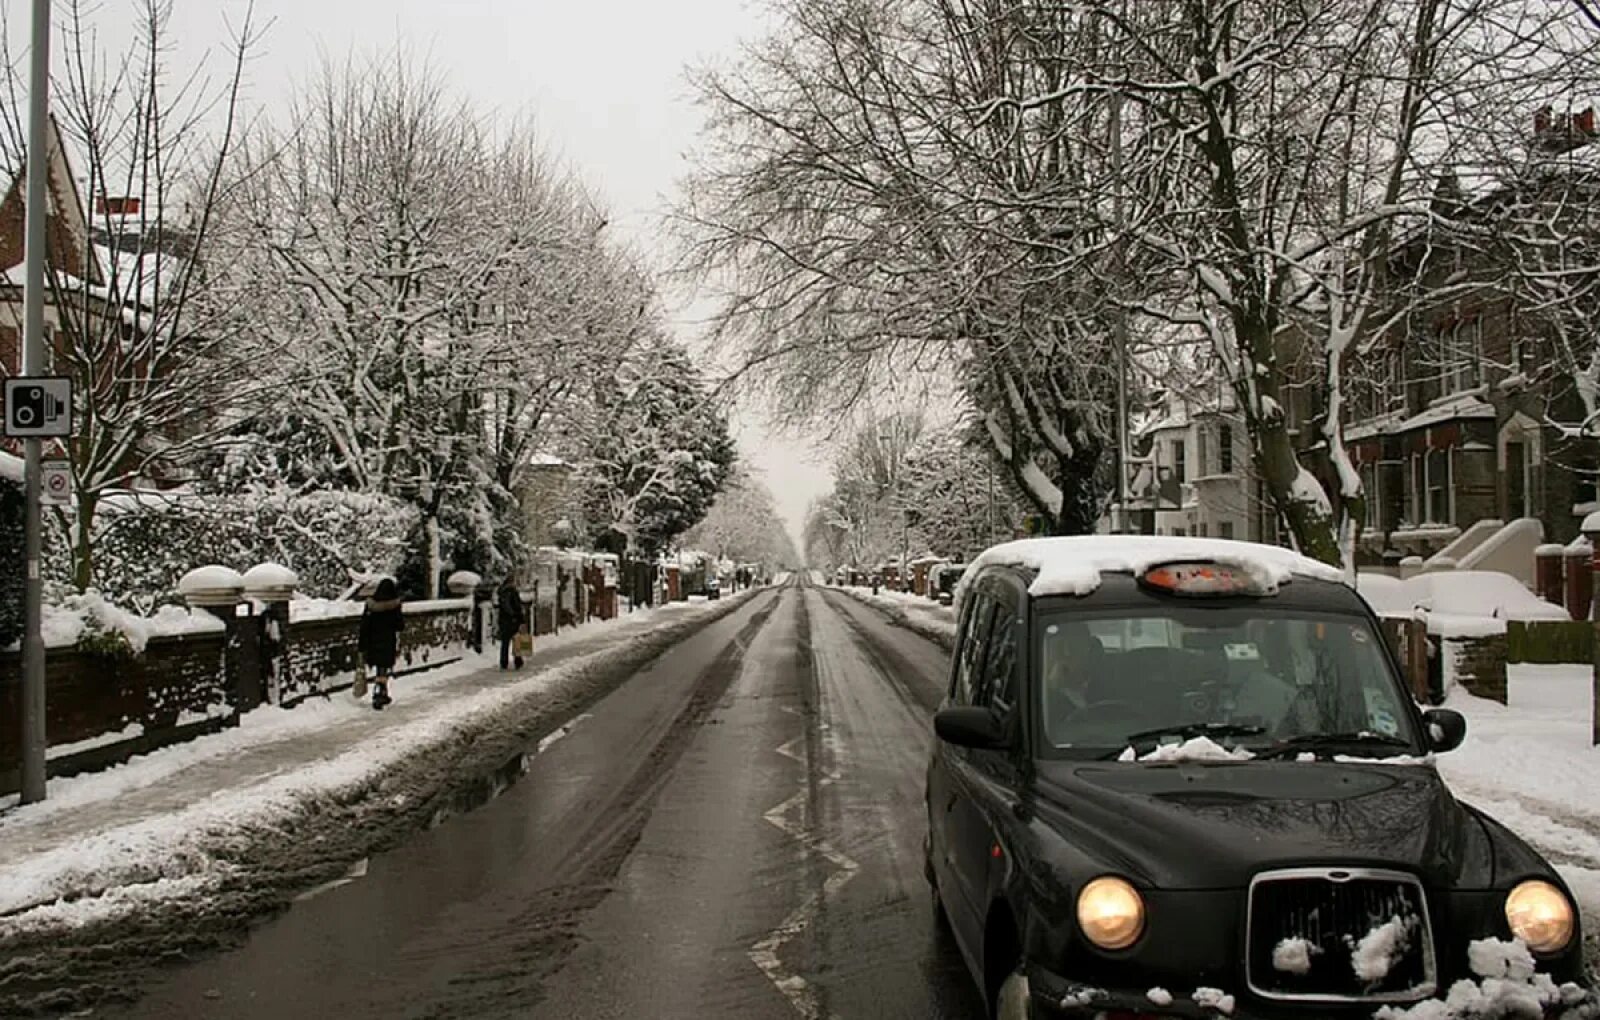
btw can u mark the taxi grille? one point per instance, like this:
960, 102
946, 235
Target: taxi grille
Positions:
1339, 935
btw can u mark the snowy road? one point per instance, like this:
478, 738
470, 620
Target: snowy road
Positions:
735, 832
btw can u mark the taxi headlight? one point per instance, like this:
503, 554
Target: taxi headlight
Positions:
1111, 913
1540, 915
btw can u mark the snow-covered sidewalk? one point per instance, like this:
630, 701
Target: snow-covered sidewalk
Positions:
1529, 764
151, 829
914, 612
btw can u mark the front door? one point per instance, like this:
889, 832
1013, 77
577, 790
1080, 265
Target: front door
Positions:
1516, 476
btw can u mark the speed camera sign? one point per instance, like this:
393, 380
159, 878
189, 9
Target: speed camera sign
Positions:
38, 406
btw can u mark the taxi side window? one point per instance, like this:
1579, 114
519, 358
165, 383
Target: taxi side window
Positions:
978, 613
999, 666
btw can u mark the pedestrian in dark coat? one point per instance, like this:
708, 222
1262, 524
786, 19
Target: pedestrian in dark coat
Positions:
381, 623
509, 618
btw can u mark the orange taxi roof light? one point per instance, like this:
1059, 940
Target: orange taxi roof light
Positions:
1202, 578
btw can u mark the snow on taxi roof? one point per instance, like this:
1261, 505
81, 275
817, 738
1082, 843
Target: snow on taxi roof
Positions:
1073, 565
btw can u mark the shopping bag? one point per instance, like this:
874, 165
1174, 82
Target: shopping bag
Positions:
524, 643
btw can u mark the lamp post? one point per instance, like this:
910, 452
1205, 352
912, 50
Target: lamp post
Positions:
33, 356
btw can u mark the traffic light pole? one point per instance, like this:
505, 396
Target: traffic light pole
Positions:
33, 700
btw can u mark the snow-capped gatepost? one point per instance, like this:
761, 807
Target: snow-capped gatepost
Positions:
1549, 580
463, 583
272, 586
219, 591
1579, 575
1591, 533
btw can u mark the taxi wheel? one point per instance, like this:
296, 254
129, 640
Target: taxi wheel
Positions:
1014, 1002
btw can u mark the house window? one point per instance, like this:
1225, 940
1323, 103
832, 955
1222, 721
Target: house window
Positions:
1369, 487
1462, 348
1225, 453
1225, 529
1178, 454
1438, 479
1416, 491
1201, 529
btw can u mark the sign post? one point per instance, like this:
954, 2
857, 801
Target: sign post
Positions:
33, 695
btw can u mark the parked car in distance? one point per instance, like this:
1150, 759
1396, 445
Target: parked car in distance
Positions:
1177, 775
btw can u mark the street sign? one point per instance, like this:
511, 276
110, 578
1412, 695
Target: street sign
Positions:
38, 407
55, 482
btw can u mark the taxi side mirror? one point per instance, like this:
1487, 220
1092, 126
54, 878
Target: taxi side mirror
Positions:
970, 726
1445, 729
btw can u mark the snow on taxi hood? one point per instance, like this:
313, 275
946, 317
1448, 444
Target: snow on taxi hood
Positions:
1072, 566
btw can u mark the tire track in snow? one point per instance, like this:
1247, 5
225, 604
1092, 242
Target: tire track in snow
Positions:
795, 817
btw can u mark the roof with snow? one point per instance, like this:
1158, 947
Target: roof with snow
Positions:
1072, 566
11, 467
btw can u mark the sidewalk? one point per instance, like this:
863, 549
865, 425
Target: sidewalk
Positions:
104, 842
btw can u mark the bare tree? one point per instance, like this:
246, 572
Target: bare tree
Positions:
139, 326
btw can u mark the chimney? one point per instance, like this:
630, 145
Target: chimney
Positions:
122, 205
1563, 132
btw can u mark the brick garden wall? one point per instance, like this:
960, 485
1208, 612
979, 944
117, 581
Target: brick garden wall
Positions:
186, 685
178, 682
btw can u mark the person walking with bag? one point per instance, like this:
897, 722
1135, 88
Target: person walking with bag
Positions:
509, 618
381, 624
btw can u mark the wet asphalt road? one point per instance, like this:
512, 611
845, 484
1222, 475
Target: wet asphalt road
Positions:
736, 831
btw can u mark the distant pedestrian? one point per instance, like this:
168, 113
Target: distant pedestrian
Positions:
381, 623
510, 616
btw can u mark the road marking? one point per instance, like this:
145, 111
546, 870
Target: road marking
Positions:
765, 953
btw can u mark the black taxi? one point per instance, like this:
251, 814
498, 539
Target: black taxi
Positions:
1179, 777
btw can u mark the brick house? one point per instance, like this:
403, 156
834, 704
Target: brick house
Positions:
104, 281
67, 248
1463, 410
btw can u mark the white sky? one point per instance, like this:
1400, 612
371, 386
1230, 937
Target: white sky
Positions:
603, 81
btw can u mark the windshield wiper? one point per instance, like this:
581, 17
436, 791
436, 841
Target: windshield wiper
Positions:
1191, 730
1314, 742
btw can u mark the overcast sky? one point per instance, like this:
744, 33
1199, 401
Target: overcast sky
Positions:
603, 80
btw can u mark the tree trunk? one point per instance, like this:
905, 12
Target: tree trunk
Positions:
83, 540
1311, 525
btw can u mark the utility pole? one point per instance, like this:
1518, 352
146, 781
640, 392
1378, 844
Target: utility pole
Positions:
1119, 522
33, 702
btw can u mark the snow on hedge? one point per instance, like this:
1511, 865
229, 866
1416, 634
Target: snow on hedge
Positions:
88, 615
1072, 566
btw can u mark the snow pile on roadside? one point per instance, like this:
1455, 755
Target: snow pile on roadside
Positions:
913, 612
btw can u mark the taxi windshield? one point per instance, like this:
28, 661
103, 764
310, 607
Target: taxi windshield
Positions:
1245, 676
